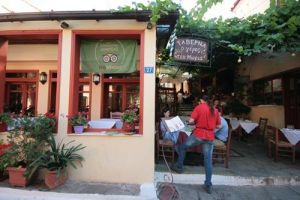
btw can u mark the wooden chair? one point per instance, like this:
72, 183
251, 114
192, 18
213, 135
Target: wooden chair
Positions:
281, 148
223, 150
116, 115
164, 147
262, 125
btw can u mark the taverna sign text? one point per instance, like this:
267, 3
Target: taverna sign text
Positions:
191, 50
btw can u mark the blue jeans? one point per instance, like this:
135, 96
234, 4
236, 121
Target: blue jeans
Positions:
207, 152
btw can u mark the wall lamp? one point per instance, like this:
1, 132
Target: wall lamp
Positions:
64, 25
96, 78
149, 26
239, 60
43, 77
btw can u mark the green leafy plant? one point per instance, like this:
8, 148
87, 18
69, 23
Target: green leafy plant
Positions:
28, 140
78, 120
157, 8
58, 157
4, 159
6, 118
236, 107
129, 116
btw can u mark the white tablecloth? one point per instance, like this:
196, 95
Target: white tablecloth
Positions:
293, 135
106, 123
247, 125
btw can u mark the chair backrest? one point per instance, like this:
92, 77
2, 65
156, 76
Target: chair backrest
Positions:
277, 136
271, 133
262, 125
116, 115
157, 131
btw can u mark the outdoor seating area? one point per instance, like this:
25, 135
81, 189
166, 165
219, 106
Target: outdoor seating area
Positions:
245, 160
248, 141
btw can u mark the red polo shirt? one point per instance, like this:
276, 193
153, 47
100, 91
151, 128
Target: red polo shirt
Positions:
205, 122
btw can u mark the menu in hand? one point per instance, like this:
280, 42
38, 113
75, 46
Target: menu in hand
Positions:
174, 124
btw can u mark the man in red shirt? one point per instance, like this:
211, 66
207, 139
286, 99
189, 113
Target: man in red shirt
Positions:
206, 119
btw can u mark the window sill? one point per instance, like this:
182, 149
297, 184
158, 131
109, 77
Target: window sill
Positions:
104, 133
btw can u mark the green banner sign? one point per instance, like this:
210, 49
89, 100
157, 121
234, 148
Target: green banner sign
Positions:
108, 56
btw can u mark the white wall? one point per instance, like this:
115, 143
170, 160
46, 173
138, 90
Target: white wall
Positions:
247, 8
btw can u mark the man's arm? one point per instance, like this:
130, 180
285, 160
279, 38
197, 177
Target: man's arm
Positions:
218, 122
191, 121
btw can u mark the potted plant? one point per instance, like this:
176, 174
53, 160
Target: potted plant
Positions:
237, 108
56, 161
129, 119
5, 119
4, 160
78, 122
28, 140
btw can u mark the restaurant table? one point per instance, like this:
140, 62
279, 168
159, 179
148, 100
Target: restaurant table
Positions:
106, 123
247, 125
292, 135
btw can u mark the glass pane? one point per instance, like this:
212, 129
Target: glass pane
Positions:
115, 88
15, 102
31, 87
268, 86
84, 88
134, 75
84, 75
132, 88
53, 97
132, 96
15, 87
114, 102
132, 100
278, 98
30, 99
292, 84
21, 74
84, 102
54, 75
15, 75
277, 86
31, 75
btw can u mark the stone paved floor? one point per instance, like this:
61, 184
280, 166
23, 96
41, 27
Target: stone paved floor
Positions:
249, 159
196, 192
84, 187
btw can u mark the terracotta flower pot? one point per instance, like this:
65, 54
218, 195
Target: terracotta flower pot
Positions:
3, 175
3, 127
52, 180
16, 176
128, 127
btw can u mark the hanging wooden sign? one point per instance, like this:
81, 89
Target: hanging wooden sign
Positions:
191, 50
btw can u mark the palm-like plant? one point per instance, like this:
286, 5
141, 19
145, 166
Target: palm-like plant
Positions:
58, 157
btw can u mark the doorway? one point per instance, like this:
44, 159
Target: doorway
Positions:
292, 100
